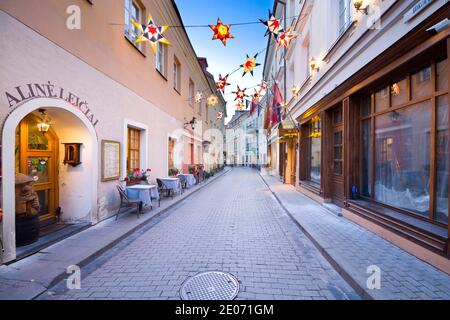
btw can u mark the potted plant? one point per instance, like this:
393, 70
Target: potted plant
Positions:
27, 210
173, 172
137, 176
191, 169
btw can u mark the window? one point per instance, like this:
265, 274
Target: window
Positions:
345, 15
315, 149
171, 153
399, 142
132, 12
161, 50
134, 149
176, 75
191, 93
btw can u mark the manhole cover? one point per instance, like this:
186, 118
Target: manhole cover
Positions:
210, 286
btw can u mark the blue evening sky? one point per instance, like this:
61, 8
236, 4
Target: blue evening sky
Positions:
249, 39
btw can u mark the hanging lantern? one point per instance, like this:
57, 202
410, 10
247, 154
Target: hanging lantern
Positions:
213, 101
284, 38
151, 33
273, 25
221, 32
44, 124
240, 94
222, 83
249, 65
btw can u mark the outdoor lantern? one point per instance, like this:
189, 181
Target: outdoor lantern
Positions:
295, 90
313, 64
44, 124
192, 123
358, 6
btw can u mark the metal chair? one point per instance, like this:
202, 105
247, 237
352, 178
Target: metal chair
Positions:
183, 182
162, 187
125, 202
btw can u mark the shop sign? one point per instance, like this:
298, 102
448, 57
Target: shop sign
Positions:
416, 9
31, 91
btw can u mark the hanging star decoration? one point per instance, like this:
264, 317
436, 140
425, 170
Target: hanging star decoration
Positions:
198, 97
240, 105
240, 94
273, 25
284, 38
222, 83
213, 100
221, 32
249, 65
256, 96
151, 33
219, 115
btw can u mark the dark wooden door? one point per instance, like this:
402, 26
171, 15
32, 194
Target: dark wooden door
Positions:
336, 157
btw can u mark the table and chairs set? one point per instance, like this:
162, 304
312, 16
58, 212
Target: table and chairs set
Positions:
143, 196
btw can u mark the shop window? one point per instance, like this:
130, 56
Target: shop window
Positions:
399, 92
442, 159
366, 163
315, 150
402, 167
442, 75
161, 61
132, 12
381, 100
366, 105
134, 149
421, 85
337, 153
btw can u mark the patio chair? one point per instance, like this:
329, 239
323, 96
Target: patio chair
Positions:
125, 202
183, 182
163, 188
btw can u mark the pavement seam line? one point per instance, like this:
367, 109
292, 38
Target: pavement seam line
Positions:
339, 269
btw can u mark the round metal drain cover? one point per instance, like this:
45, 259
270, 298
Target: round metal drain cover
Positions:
213, 285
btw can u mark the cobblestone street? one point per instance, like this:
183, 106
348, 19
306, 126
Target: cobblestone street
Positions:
234, 225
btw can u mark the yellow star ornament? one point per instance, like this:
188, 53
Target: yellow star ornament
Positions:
151, 33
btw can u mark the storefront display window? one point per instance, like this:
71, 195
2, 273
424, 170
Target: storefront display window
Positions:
442, 159
315, 145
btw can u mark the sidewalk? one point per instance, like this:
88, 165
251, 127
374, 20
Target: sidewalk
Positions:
351, 249
31, 276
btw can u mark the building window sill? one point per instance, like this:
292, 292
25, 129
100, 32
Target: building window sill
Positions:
134, 46
161, 74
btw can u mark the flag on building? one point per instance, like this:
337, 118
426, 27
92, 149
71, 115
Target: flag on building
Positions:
276, 105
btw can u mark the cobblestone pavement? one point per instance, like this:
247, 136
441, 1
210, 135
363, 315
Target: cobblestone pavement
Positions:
234, 225
354, 248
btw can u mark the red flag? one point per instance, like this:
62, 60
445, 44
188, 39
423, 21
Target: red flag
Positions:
276, 104
267, 116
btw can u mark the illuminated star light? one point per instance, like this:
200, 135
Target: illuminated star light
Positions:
240, 94
213, 101
222, 83
249, 65
151, 33
219, 115
198, 97
240, 105
273, 25
221, 32
285, 38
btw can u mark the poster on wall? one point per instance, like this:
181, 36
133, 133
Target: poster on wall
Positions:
110, 160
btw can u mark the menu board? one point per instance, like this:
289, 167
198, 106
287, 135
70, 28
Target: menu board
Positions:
110, 160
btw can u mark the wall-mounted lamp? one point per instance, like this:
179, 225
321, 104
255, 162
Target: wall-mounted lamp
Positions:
295, 90
313, 65
44, 124
192, 123
358, 6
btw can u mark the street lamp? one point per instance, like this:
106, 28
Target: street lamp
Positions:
192, 123
358, 6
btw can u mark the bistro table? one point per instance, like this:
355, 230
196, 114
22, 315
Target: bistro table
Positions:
144, 192
172, 183
190, 179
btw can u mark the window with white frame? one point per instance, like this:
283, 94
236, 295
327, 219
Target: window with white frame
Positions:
132, 12
176, 74
191, 93
345, 15
161, 50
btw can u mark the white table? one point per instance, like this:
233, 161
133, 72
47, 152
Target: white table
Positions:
172, 183
143, 192
190, 179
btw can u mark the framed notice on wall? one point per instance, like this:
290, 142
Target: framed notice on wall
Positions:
110, 160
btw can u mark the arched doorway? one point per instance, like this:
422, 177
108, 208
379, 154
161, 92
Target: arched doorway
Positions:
74, 189
36, 155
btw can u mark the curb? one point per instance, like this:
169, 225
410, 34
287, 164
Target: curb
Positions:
99, 252
339, 269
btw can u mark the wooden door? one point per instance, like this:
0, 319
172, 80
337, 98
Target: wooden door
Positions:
336, 156
37, 157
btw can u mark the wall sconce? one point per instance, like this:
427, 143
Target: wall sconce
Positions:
72, 154
295, 90
44, 124
313, 65
192, 123
358, 6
